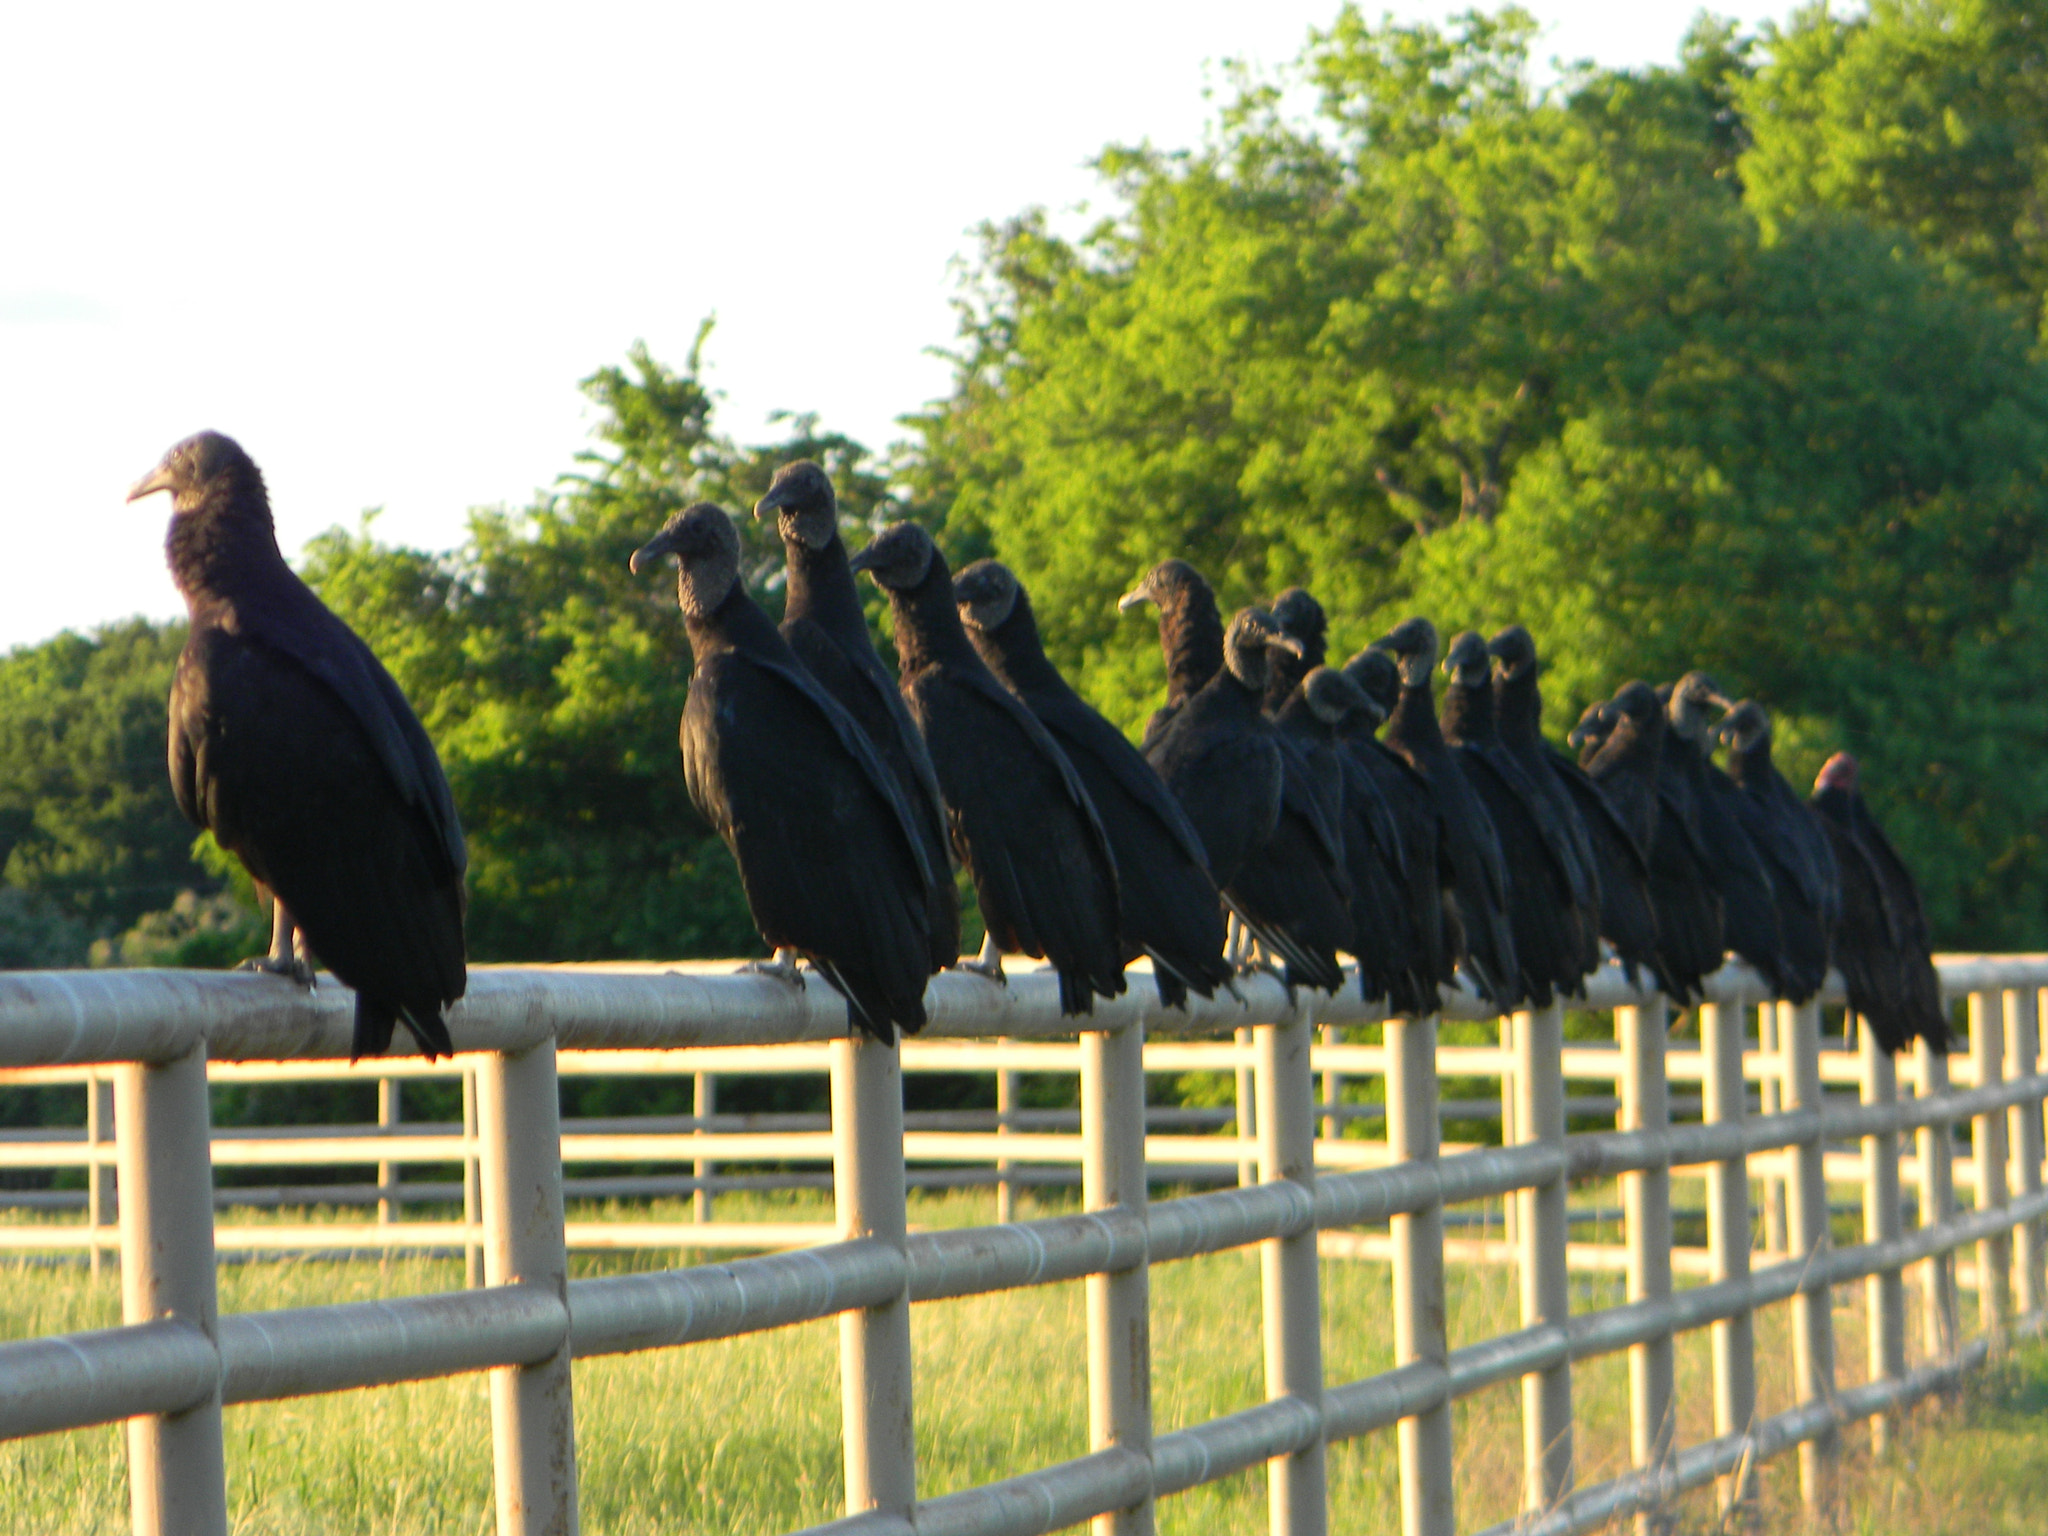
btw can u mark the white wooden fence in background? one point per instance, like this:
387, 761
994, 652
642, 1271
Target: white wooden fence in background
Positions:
173, 1364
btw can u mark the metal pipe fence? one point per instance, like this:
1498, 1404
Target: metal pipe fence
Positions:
175, 1361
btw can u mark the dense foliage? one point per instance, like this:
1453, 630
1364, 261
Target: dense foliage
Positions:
1659, 364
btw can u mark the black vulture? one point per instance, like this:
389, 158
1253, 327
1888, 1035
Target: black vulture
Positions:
1169, 906
1325, 709
1621, 871
1553, 903
294, 747
1467, 843
1270, 851
1190, 634
1881, 941
826, 845
824, 625
1408, 845
1301, 619
1705, 796
1789, 838
1621, 746
1022, 820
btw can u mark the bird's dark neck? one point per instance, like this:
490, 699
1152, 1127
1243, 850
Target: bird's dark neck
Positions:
928, 628
1468, 714
224, 548
737, 624
821, 589
1191, 639
1015, 654
1750, 766
1518, 710
1298, 722
1412, 727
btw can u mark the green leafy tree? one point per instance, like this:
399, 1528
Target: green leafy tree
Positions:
1928, 117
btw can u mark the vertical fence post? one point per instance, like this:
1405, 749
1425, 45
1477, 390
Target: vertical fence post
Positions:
1247, 1115
1884, 1293
1646, 1213
1542, 1229
1725, 1091
1940, 1328
1510, 1131
1333, 1089
1806, 1225
1119, 1303
99, 1176
1297, 1498
1987, 1161
472, 1186
177, 1470
874, 1343
533, 1423
2022, 1058
1428, 1507
703, 1105
387, 1171
1771, 1100
1006, 1115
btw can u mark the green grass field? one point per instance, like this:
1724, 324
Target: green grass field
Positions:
742, 1436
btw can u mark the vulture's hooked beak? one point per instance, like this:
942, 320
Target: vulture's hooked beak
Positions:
1276, 640
863, 558
773, 502
643, 557
158, 479
1137, 597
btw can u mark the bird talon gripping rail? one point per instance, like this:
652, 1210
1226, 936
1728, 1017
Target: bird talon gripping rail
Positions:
173, 1364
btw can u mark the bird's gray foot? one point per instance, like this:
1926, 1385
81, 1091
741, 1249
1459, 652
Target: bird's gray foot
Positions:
783, 968
988, 963
288, 955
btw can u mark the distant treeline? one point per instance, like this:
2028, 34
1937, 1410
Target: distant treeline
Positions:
1735, 364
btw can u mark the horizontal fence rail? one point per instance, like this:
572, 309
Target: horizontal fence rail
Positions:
147, 1041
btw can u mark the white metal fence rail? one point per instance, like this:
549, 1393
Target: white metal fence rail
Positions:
175, 1361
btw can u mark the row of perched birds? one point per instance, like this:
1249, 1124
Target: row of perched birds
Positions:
1326, 810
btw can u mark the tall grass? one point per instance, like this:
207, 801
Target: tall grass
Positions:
743, 1435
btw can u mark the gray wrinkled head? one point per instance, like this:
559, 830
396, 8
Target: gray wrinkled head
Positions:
1252, 633
1167, 585
1839, 772
1378, 676
1413, 643
1514, 649
1333, 698
706, 547
986, 593
1298, 614
199, 464
1594, 726
806, 511
1695, 699
1467, 660
898, 557
1745, 727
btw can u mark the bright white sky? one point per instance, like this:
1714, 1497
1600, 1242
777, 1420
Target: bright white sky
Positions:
379, 244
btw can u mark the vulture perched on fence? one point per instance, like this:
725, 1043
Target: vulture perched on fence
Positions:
294, 747
1321, 717
1190, 635
1273, 857
1169, 906
1467, 843
1426, 939
1789, 838
1621, 746
824, 625
827, 847
1022, 820
1880, 941
1553, 901
1704, 796
1620, 867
